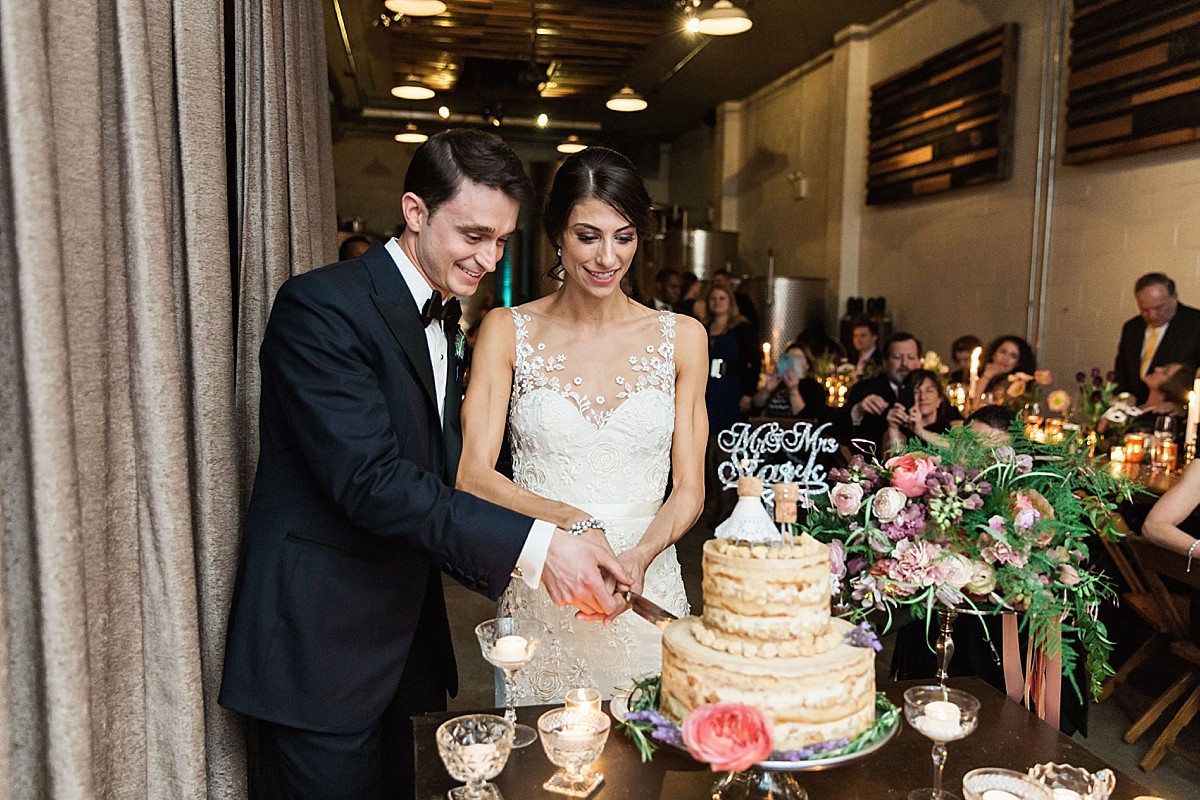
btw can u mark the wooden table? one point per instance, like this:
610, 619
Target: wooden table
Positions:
1007, 736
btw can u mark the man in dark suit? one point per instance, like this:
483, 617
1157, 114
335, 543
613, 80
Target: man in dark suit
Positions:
864, 414
338, 633
1164, 332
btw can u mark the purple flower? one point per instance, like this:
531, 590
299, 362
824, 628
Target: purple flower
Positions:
996, 523
1095, 372
1027, 518
1079, 376
908, 524
863, 636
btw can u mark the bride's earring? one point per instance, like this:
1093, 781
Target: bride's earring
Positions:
558, 252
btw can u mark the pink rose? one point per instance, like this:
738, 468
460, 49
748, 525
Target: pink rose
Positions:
888, 503
910, 471
728, 736
846, 498
837, 558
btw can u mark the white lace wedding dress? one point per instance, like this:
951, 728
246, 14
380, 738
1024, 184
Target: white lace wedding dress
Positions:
608, 455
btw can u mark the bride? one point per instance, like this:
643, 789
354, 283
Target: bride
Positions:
604, 398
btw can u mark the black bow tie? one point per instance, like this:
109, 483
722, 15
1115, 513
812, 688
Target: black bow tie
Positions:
435, 309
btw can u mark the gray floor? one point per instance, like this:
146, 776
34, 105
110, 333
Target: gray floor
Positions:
1176, 778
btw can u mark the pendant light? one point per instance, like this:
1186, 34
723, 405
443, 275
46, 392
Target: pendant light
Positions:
723, 19
626, 100
415, 8
571, 144
412, 89
411, 135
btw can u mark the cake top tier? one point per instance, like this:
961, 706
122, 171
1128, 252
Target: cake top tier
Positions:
802, 547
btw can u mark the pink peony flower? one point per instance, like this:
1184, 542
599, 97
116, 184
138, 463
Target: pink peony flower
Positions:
889, 501
837, 558
909, 472
728, 736
914, 562
846, 498
955, 569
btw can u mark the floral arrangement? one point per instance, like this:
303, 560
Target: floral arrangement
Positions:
732, 736
1024, 388
933, 362
1102, 403
969, 526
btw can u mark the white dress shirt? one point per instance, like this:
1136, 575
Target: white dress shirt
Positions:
537, 543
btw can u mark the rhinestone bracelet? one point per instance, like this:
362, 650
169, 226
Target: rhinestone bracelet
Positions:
1190, 551
579, 527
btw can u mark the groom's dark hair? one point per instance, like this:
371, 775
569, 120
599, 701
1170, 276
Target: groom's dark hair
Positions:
446, 159
605, 175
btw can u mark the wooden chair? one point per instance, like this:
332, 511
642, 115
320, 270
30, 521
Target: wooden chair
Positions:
1156, 563
1139, 598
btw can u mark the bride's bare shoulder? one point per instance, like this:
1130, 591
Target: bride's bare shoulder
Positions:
689, 332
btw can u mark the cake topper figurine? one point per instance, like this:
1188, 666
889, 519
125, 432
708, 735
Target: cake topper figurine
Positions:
787, 495
749, 521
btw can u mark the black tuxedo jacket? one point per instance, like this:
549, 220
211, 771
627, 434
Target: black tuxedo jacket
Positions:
873, 426
352, 514
1181, 343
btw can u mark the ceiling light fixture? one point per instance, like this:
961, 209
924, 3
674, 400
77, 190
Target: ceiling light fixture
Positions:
626, 100
723, 19
411, 135
412, 89
542, 120
415, 8
571, 144
444, 112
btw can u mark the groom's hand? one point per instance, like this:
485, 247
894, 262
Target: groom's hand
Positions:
581, 573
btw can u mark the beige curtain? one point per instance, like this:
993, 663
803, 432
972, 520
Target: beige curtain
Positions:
122, 466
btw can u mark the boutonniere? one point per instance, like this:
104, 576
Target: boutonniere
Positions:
460, 350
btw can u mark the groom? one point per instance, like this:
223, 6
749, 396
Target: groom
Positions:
338, 632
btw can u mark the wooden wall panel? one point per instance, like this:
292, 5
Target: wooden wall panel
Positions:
1134, 80
945, 123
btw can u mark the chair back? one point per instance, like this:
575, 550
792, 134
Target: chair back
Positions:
1155, 563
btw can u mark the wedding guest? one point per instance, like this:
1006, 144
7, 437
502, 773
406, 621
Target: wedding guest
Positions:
668, 289
818, 345
353, 247
1002, 357
1169, 386
724, 279
1165, 331
689, 294
864, 336
864, 415
960, 357
789, 392
1165, 523
992, 422
930, 415
603, 399
338, 633
732, 379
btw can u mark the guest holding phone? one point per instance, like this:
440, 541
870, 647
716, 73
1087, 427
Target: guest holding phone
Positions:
788, 392
922, 412
863, 421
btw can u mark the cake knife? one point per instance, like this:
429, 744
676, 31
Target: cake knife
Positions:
649, 611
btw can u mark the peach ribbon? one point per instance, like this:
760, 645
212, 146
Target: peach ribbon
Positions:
1039, 685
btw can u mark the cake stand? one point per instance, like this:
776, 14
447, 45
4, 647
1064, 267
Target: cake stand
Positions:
777, 780
773, 780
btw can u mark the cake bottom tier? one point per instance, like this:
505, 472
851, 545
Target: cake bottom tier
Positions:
807, 699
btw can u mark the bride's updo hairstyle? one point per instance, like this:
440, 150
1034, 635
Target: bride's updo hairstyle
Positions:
597, 172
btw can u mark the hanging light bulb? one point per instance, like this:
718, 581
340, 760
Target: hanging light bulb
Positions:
411, 135
415, 8
412, 89
626, 100
571, 144
723, 19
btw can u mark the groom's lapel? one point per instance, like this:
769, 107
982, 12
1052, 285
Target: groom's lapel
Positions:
452, 422
399, 311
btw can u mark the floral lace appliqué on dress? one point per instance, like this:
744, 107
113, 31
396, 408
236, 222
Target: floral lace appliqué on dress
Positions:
608, 454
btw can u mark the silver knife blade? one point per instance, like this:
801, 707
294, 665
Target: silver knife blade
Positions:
650, 611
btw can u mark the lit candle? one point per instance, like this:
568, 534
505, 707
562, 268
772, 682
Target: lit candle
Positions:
976, 354
1193, 416
940, 720
766, 356
511, 648
584, 699
478, 756
1117, 454
1135, 447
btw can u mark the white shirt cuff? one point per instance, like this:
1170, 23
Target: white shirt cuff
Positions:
533, 554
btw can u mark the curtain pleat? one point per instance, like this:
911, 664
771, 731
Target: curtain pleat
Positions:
123, 390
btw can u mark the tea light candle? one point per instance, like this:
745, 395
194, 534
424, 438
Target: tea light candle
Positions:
584, 699
478, 755
998, 794
940, 720
1117, 455
1135, 447
511, 648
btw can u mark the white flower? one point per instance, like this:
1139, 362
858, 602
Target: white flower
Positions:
956, 570
889, 501
1116, 416
983, 578
846, 498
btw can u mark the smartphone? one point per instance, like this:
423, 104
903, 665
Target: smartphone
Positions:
785, 363
907, 399
716, 368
